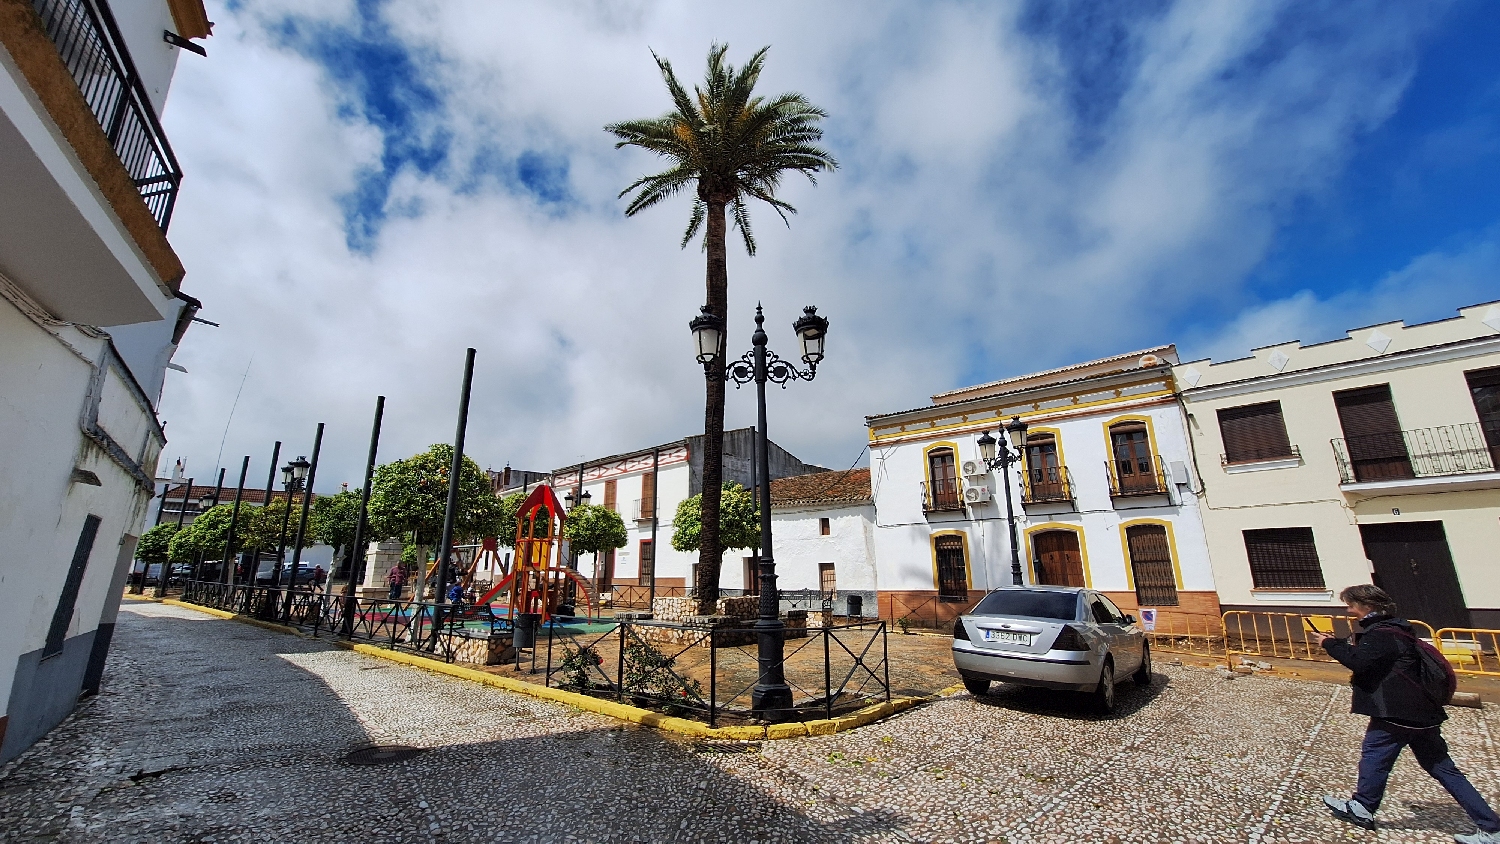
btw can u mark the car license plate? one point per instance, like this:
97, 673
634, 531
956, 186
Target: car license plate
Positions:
1007, 636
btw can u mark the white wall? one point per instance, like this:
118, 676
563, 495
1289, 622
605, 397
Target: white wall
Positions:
800, 546
141, 23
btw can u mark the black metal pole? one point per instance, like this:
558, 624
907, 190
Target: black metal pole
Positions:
286, 522
445, 546
227, 575
253, 576
655, 520
166, 568
771, 697
1010, 518
357, 554
307, 493
218, 490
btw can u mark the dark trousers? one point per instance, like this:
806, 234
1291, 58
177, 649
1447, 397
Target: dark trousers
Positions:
395, 591
1383, 743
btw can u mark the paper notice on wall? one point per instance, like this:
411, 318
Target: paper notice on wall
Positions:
1148, 619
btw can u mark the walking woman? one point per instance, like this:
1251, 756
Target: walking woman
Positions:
1388, 687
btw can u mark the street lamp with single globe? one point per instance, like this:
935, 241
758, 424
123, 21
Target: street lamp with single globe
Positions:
772, 697
997, 454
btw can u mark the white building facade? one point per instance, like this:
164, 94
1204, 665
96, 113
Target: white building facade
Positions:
90, 313
1104, 497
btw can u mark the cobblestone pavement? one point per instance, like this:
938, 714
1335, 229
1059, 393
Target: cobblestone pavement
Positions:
212, 730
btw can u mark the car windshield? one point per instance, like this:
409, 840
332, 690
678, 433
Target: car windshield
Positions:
1031, 603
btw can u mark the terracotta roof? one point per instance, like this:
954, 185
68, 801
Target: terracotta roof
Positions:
254, 497
822, 488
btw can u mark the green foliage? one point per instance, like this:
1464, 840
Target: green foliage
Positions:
333, 519
739, 526
154, 544
207, 534
724, 144
591, 528
505, 526
648, 671
578, 666
411, 494
264, 531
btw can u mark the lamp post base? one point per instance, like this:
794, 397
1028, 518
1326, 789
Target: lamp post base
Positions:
771, 699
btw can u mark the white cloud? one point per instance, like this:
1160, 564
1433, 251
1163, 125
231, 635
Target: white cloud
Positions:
969, 235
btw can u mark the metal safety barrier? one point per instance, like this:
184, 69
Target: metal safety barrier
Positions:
1470, 650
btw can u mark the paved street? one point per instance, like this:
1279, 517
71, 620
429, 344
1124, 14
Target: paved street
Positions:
212, 730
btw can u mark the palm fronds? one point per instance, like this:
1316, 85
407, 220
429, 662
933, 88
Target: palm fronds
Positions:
726, 142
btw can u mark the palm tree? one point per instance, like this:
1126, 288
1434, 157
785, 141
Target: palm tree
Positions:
729, 145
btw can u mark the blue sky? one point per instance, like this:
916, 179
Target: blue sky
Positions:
372, 186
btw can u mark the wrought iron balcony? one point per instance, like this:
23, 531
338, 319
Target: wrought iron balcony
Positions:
1129, 477
941, 496
92, 49
1245, 456
1418, 453
642, 510
1053, 485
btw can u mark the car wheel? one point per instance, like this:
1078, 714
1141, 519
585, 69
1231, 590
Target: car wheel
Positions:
1142, 675
1104, 695
977, 687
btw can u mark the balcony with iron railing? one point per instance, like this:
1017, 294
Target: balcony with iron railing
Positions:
91, 47
1129, 478
1448, 451
1052, 485
642, 510
941, 496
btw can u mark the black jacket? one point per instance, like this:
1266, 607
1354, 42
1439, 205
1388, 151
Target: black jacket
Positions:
1387, 673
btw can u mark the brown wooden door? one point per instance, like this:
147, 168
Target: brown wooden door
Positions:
1372, 434
943, 478
827, 581
648, 563
1057, 558
1151, 565
1043, 470
1133, 464
952, 569
1413, 564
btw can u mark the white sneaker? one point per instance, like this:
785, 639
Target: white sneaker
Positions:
1479, 837
1354, 812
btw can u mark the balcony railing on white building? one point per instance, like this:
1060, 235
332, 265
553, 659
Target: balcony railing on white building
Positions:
1417, 453
91, 47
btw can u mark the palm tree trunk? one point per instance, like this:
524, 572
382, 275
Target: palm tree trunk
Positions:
710, 554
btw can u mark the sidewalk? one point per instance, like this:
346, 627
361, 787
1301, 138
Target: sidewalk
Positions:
212, 730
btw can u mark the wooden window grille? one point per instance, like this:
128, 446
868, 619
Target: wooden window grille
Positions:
1283, 558
827, 582
1151, 565
611, 491
648, 495
824, 527
952, 569
648, 563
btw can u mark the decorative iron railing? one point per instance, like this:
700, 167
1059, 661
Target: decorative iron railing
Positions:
941, 496
94, 52
1052, 485
1417, 453
1129, 477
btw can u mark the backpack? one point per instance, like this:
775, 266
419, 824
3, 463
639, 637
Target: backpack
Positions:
1436, 676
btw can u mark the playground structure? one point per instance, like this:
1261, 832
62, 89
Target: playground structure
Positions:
538, 581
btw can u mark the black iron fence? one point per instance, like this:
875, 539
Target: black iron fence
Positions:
702, 672
1417, 453
710, 673
90, 45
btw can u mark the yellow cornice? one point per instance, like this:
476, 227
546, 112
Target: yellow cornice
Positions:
999, 417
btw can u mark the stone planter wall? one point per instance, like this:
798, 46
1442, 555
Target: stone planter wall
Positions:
480, 650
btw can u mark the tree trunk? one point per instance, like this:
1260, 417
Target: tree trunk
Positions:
710, 553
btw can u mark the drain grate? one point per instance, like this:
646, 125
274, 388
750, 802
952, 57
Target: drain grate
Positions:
380, 754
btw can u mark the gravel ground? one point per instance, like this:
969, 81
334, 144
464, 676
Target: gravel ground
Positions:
211, 730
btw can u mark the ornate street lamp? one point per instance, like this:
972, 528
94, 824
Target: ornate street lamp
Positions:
771, 697
997, 454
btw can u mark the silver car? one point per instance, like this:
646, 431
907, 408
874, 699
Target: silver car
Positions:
1054, 637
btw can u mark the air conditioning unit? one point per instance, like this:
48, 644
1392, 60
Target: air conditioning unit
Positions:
973, 468
976, 494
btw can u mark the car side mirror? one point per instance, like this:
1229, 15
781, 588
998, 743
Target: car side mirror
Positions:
1129, 619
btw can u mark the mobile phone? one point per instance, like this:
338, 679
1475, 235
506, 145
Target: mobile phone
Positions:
1318, 624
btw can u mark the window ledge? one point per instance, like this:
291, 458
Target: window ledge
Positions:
1290, 462
1293, 596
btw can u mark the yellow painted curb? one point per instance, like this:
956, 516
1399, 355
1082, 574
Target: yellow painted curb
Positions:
209, 610
613, 709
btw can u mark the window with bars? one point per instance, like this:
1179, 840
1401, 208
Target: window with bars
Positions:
1254, 432
648, 563
952, 569
827, 580
1283, 558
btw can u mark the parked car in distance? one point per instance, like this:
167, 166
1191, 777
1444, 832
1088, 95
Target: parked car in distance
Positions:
1053, 637
268, 567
